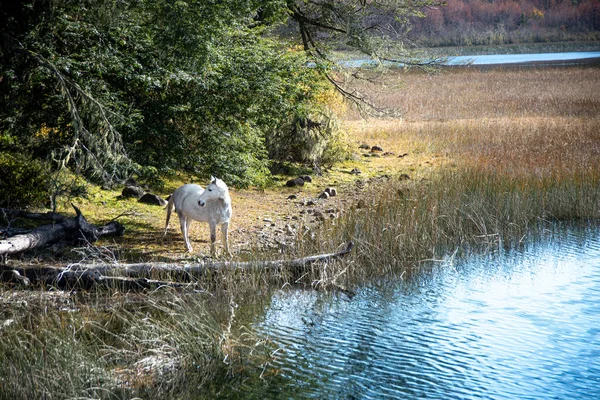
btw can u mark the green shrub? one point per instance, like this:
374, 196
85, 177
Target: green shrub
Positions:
151, 176
316, 140
24, 182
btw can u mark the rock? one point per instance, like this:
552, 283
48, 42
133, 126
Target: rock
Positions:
355, 171
306, 178
292, 197
404, 177
319, 216
152, 199
361, 204
332, 192
131, 182
132, 191
388, 153
295, 182
324, 195
289, 230
364, 146
403, 192
376, 148
403, 155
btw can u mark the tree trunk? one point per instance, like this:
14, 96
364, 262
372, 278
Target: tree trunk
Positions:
48, 216
142, 274
71, 230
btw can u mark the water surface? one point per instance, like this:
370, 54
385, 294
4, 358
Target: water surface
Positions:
523, 58
499, 59
509, 325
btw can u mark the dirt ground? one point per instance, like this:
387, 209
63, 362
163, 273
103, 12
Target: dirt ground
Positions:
271, 220
275, 218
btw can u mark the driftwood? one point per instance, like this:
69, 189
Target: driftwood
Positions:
142, 274
73, 230
47, 216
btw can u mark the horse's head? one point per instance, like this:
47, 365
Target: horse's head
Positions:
216, 190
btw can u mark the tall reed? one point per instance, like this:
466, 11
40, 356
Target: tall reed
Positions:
158, 346
506, 150
462, 210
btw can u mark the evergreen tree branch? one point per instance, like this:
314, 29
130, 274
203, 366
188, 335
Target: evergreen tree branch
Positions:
105, 154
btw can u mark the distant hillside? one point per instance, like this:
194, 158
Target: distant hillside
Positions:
486, 22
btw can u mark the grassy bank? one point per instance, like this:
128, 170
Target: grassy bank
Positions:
491, 156
110, 345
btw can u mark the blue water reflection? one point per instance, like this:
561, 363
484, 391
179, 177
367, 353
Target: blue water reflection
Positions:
495, 59
523, 324
523, 58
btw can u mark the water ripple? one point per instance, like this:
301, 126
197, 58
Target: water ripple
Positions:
522, 324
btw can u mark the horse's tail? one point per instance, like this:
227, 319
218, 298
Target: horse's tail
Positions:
170, 206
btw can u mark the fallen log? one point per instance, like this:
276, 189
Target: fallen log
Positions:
144, 274
74, 230
9, 213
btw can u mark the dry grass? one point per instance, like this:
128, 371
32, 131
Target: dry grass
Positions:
480, 93
119, 346
528, 145
492, 153
526, 120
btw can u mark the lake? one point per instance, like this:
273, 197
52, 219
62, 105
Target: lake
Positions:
523, 58
500, 59
519, 324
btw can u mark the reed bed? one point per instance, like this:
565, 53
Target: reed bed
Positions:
153, 345
486, 92
459, 211
507, 152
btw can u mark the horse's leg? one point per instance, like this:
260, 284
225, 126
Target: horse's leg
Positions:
213, 237
169, 210
224, 228
167, 222
188, 223
185, 226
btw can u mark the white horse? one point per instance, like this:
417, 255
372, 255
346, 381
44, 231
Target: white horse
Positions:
212, 205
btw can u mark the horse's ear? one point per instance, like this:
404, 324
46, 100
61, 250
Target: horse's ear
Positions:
212, 179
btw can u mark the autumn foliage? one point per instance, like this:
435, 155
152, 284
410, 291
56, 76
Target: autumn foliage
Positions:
476, 22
